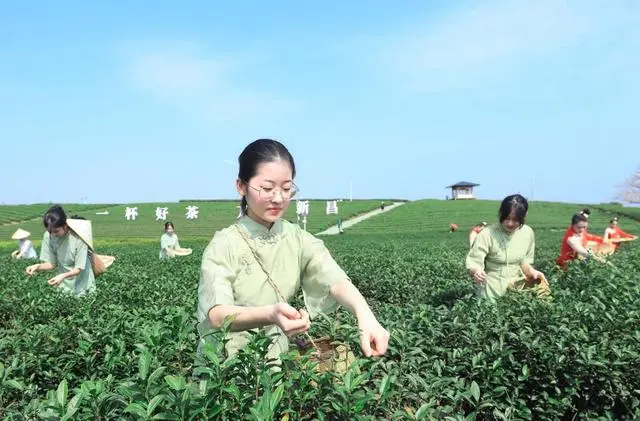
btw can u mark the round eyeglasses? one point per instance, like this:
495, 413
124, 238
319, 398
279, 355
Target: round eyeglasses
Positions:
270, 192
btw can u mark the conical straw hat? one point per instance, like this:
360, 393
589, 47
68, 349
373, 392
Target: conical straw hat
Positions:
20, 234
82, 228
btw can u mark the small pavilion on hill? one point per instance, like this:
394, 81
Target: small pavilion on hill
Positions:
462, 190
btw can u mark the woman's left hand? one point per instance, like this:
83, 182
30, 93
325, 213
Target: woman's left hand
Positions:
56, 280
536, 274
374, 339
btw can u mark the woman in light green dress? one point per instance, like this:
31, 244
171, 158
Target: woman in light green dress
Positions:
169, 241
503, 254
169, 244
233, 282
64, 250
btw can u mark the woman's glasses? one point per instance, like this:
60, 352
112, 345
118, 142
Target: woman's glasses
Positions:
268, 193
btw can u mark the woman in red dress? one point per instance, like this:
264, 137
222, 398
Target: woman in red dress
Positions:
614, 234
575, 243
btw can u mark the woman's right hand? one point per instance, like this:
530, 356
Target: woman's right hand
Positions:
31, 270
290, 320
479, 276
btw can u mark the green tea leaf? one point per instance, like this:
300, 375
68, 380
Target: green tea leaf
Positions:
276, 397
153, 404
385, 385
61, 394
421, 412
73, 406
144, 361
137, 409
475, 390
174, 382
13, 384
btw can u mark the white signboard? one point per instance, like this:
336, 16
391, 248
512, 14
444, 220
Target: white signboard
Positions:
332, 207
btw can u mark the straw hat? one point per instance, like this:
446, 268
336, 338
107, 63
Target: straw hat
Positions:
20, 234
82, 228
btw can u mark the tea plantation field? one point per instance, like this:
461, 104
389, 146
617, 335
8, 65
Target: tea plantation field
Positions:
630, 212
128, 352
15, 214
434, 217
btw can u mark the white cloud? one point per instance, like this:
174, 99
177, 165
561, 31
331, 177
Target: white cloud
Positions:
494, 37
171, 75
184, 75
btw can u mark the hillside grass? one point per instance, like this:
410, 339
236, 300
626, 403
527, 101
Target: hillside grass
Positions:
212, 217
13, 214
430, 217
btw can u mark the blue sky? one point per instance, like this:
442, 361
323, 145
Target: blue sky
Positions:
129, 101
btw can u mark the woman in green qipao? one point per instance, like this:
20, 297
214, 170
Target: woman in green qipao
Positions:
170, 245
64, 250
169, 241
503, 254
233, 283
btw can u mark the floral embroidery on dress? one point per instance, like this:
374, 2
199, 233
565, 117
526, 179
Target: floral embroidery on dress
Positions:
245, 263
267, 238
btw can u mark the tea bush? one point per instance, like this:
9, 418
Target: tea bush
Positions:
129, 351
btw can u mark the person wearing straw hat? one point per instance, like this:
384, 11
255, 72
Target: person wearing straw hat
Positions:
169, 244
615, 235
253, 268
502, 254
475, 231
65, 247
25, 246
83, 228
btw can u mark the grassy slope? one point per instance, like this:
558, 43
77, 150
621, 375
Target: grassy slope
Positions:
434, 216
213, 216
630, 212
11, 214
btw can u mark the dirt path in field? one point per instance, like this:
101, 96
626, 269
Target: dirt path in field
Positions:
352, 221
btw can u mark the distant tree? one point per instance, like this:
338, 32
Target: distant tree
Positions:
630, 189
